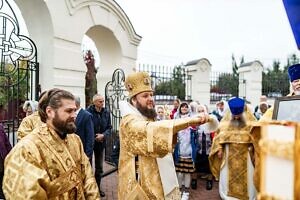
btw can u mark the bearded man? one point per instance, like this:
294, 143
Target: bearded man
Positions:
231, 153
146, 167
294, 76
50, 162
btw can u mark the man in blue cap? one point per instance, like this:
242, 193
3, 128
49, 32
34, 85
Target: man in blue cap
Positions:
294, 75
231, 153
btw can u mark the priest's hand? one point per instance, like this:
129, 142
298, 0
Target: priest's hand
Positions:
202, 118
182, 123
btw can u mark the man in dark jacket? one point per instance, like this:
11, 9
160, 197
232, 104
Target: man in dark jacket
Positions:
102, 128
5, 148
85, 129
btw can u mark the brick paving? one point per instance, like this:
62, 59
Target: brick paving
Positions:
109, 186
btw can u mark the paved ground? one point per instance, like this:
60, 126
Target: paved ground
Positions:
109, 185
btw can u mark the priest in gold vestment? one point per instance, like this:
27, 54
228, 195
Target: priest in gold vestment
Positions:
146, 167
31, 121
50, 162
232, 152
28, 124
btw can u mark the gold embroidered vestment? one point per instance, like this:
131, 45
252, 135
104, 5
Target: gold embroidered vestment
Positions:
147, 140
239, 143
43, 166
28, 124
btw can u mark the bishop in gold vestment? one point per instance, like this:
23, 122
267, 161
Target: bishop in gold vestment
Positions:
233, 166
50, 162
146, 167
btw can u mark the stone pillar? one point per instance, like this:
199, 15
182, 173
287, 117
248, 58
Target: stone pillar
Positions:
250, 81
200, 83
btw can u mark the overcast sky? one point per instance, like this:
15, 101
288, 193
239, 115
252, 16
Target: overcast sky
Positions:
176, 31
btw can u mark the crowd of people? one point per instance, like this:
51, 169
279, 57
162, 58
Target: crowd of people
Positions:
162, 154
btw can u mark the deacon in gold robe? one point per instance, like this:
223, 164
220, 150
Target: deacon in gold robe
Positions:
232, 152
50, 162
146, 167
28, 124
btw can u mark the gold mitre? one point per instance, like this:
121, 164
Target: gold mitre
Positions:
138, 82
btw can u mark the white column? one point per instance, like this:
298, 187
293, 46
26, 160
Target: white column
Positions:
250, 81
200, 72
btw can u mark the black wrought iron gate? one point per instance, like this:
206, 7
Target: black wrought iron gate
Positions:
115, 91
19, 71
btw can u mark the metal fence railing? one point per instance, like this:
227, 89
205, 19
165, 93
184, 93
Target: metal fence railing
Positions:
223, 86
169, 82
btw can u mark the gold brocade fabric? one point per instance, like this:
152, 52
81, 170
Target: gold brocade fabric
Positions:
43, 166
237, 171
256, 135
239, 141
268, 115
147, 140
265, 118
28, 124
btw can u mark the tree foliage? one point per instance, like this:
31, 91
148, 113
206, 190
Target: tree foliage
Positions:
13, 83
228, 84
234, 66
174, 86
276, 80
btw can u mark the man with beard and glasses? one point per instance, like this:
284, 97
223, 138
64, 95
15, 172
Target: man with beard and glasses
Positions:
50, 162
146, 167
294, 76
232, 153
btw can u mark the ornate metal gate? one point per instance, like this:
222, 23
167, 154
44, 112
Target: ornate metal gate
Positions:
115, 91
19, 71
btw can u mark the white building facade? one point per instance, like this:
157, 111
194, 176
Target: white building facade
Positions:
57, 27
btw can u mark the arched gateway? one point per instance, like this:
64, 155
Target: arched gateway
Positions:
57, 28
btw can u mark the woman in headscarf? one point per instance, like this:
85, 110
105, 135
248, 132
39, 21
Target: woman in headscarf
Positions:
30, 107
185, 152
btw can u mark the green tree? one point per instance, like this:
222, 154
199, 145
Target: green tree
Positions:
228, 84
242, 60
275, 80
175, 86
14, 82
291, 60
234, 66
